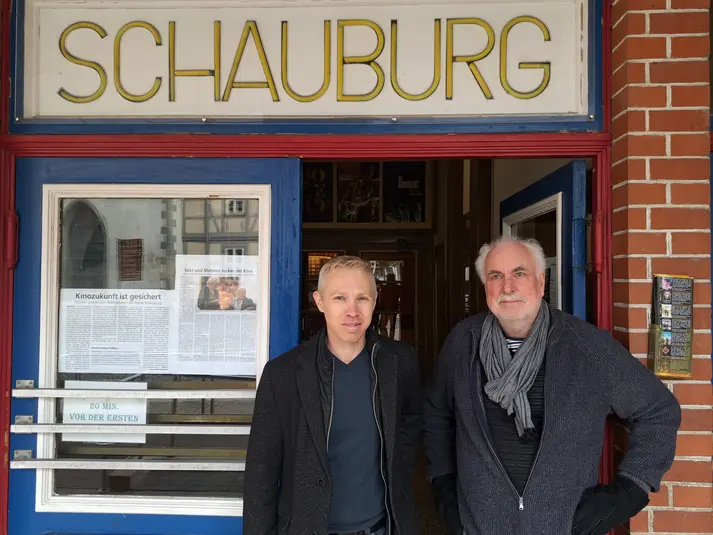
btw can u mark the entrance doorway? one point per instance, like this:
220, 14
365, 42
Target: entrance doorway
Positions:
421, 224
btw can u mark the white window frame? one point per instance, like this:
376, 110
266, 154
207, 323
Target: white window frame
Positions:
243, 203
545, 206
53, 194
234, 248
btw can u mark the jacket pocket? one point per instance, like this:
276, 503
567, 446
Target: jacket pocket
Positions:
284, 523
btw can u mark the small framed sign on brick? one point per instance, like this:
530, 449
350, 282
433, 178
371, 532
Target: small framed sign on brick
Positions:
671, 330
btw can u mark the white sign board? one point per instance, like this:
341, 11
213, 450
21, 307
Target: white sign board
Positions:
104, 411
298, 58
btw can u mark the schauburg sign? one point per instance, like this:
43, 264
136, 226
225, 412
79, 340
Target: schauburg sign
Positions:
159, 58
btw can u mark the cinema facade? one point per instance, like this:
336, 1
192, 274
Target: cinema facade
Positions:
174, 173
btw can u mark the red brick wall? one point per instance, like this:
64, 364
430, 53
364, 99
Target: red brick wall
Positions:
661, 219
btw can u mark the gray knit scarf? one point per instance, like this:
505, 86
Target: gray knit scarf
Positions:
511, 376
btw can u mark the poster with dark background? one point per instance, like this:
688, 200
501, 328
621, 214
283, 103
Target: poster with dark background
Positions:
318, 187
404, 192
357, 192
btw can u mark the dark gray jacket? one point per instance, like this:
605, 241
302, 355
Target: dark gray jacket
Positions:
588, 375
287, 482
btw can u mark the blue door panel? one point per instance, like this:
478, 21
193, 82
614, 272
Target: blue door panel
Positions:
283, 175
571, 181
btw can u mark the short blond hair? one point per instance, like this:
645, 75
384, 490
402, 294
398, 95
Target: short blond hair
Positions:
346, 262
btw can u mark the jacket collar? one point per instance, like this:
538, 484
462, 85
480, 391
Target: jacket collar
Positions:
310, 387
317, 347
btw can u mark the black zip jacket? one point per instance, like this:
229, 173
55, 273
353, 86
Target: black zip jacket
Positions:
287, 482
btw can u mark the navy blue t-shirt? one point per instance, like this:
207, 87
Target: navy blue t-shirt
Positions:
354, 449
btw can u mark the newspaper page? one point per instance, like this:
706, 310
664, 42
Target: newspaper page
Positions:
217, 315
115, 331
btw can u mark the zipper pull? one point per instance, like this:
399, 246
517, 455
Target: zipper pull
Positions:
522, 504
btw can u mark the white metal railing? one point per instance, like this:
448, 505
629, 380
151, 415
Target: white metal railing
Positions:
147, 429
107, 464
131, 394
23, 460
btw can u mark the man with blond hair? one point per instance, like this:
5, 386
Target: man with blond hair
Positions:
336, 424
515, 419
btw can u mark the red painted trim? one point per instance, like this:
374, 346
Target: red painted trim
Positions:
7, 208
602, 200
602, 240
428, 146
606, 64
256, 146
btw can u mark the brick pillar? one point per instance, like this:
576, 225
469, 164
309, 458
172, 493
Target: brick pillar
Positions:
661, 220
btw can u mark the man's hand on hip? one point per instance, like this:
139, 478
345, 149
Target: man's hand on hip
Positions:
604, 507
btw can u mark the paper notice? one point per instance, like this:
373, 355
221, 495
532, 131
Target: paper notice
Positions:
217, 321
115, 331
104, 411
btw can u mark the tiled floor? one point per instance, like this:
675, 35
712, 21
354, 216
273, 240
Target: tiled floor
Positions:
429, 522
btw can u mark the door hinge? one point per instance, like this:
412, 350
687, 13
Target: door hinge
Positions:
598, 239
11, 224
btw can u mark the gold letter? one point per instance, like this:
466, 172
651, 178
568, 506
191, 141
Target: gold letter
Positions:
470, 60
545, 66
327, 70
117, 62
436, 63
250, 28
369, 60
66, 95
172, 72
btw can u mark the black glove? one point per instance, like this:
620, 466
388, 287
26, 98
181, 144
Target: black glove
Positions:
446, 496
604, 507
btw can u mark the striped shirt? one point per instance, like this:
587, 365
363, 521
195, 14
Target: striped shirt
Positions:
513, 344
517, 457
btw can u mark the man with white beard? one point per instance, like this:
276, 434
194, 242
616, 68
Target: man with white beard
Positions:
514, 420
